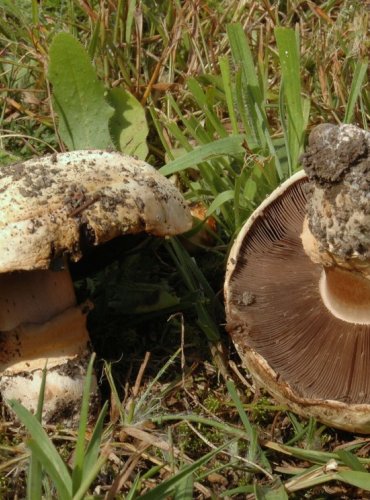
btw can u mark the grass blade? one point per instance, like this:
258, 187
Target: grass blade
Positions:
44, 450
220, 200
252, 94
89, 478
290, 67
201, 98
357, 81
166, 487
149, 389
93, 448
226, 79
79, 458
321, 475
255, 452
34, 480
355, 478
351, 460
232, 146
185, 489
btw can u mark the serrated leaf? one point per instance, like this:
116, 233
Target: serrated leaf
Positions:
128, 126
79, 97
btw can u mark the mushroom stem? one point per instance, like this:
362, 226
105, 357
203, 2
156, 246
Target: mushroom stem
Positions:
344, 284
34, 296
346, 294
41, 325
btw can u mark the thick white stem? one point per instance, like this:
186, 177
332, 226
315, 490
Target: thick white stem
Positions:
344, 284
41, 325
346, 294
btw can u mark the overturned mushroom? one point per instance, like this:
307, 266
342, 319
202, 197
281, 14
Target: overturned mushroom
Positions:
51, 209
298, 284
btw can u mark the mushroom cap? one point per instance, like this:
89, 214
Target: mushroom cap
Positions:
308, 359
57, 204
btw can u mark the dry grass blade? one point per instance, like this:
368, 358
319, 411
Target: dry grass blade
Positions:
126, 472
153, 440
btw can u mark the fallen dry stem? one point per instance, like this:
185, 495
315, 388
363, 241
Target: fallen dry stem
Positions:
126, 472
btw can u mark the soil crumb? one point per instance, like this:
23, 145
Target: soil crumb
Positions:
337, 162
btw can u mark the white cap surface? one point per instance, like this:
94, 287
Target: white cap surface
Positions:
50, 206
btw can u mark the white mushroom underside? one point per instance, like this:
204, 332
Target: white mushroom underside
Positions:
303, 354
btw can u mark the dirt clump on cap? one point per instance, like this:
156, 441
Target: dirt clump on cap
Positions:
337, 162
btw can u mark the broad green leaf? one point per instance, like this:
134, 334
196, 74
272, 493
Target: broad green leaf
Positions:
128, 126
78, 96
227, 146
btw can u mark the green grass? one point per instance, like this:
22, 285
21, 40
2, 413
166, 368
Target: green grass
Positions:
225, 91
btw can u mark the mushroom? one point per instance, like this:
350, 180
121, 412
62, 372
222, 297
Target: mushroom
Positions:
297, 285
51, 209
